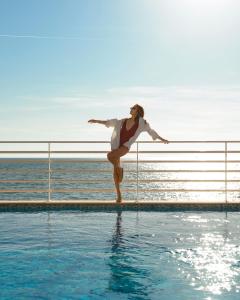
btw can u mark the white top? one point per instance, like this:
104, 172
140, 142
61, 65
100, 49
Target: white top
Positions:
117, 124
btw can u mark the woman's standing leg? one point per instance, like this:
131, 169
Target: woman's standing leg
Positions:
117, 179
114, 158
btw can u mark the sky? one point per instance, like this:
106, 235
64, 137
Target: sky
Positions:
64, 62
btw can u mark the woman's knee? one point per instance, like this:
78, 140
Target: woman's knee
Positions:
110, 156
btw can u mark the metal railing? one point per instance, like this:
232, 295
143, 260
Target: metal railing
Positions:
223, 161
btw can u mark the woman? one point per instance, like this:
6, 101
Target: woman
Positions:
124, 134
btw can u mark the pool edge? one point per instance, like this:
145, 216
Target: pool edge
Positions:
112, 205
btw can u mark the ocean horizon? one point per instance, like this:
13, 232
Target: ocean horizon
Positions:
93, 177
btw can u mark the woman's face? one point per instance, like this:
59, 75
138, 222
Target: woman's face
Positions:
134, 110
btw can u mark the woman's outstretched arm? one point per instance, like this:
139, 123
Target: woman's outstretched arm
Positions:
154, 134
97, 121
108, 123
163, 140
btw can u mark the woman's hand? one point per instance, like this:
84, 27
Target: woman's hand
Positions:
164, 141
92, 121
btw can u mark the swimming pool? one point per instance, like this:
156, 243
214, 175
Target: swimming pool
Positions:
119, 255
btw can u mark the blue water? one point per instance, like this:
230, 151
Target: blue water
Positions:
87, 169
120, 255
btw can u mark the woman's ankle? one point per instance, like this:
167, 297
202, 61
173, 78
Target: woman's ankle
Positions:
119, 199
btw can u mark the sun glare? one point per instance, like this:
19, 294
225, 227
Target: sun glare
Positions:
205, 6
199, 18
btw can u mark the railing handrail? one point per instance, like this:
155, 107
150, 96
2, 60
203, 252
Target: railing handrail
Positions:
225, 161
147, 142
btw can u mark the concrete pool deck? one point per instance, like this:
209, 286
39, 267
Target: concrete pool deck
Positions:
159, 205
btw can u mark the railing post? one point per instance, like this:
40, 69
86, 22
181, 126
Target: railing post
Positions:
226, 149
137, 171
49, 172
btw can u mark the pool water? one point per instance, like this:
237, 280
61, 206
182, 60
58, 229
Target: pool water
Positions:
119, 255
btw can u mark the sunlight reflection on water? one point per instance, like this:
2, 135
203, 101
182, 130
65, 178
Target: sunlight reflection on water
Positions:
212, 265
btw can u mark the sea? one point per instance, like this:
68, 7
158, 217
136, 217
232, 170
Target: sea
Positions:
92, 179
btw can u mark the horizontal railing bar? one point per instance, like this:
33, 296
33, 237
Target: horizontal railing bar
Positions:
38, 152
21, 160
187, 151
58, 191
106, 171
145, 142
145, 190
183, 161
54, 160
111, 190
54, 142
179, 142
23, 181
123, 161
186, 190
148, 161
22, 171
59, 180
24, 152
52, 171
88, 152
191, 171
186, 180
107, 181
27, 200
24, 191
